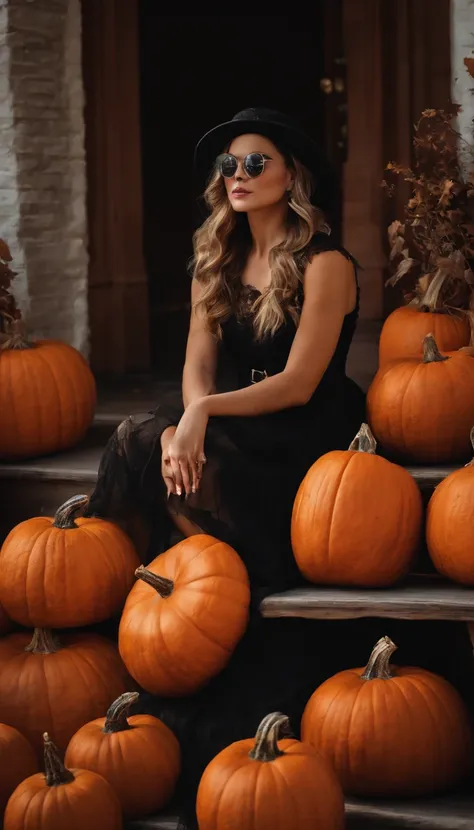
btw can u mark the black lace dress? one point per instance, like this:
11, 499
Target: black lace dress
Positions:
254, 467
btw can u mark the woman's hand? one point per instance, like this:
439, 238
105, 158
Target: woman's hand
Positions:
166, 470
185, 451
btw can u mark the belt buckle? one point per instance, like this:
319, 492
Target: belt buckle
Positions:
258, 375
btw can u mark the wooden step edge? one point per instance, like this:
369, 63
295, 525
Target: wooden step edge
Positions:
451, 812
37, 471
418, 598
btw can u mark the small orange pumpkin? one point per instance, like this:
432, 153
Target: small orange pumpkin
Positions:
62, 798
389, 731
66, 572
60, 686
357, 518
423, 410
269, 784
184, 617
139, 756
405, 328
17, 762
450, 523
47, 396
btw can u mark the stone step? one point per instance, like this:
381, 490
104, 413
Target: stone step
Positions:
441, 813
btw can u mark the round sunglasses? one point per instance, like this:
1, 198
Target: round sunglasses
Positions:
253, 164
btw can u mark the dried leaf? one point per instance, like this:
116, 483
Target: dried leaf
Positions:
402, 269
469, 64
5, 254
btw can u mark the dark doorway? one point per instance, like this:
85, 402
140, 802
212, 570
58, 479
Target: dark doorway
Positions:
196, 71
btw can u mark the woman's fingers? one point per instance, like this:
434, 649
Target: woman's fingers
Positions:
196, 475
177, 476
184, 465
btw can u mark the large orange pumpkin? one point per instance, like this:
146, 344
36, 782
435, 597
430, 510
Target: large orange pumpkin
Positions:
60, 686
357, 518
17, 762
389, 731
450, 523
66, 572
184, 617
423, 410
62, 799
267, 784
47, 397
139, 756
405, 328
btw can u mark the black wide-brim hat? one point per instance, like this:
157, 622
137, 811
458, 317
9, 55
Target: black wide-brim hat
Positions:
288, 136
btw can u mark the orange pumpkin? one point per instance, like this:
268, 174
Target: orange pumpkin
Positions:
389, 731
422, 410
47, 396
138, 756
66, 572
17, 762
5, 621
269, 784
405, 328
449, 524
183, 619
62, 798
357, 518
58, 686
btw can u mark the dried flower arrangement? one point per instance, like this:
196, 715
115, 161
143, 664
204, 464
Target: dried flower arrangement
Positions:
11, 324
432, 249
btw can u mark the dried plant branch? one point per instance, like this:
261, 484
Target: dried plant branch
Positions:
432, 249
9, 310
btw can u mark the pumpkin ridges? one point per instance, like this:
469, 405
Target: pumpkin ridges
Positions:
94, 563
399, 340
300, 790
20, 437
189, 635
17, 762
383, 734
321, 505
92, 660
450, 514
423, 412
140, 762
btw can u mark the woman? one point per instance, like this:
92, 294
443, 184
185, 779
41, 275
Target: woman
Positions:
271, 289
274, 292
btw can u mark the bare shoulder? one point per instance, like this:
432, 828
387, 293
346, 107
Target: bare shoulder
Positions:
330, 276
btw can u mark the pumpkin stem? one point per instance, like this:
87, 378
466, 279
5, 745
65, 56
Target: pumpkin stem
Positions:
266, 740
364, 441
116, 718
378, 667
159, 583
431, 353
64, 516
43, 642
16, 338
54, 770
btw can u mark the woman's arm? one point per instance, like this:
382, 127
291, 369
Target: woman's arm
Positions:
329, 294
199, 373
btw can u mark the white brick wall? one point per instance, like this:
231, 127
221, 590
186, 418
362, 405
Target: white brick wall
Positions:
462, 46
42, 164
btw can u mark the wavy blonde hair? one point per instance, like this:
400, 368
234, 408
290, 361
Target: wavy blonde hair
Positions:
222, 244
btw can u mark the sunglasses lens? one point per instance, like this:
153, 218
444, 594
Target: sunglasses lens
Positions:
254, 164
227, 165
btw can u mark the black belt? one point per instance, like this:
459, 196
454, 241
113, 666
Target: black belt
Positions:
257, 375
